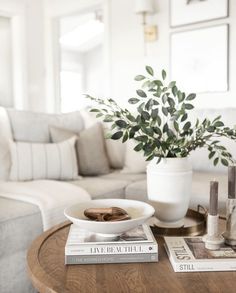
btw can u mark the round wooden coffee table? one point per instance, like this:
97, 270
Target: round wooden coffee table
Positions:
48, 272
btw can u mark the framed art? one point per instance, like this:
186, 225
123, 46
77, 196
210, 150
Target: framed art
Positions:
183, 12
199, 59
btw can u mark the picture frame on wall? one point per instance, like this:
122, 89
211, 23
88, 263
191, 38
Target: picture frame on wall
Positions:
185, 12
199, 59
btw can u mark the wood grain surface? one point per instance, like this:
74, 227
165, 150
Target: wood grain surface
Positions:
49, 274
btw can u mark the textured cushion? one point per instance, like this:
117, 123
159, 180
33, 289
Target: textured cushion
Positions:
134, 161
31, 161
91, 151
34, 127
5, 135
115, 148
98, 187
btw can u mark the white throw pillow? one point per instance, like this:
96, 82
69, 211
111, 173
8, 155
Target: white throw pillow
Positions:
32, 161
135, 162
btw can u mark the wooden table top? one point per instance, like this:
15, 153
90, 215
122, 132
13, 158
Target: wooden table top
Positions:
49, 274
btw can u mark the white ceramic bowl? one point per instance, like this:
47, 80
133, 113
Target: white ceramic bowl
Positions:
137, 210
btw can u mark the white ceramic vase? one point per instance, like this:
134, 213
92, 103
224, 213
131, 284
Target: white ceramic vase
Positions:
169, 188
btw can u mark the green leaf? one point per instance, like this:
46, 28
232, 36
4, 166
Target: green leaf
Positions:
191, 97
218, 124
187, 125
171, 102
139, 147
224, 162
141, 93
188, 106
142, 138
149, 104
157, 131
94, 110
133, 101
174, 90
164, 111
117, 135
150, 157
211, 155
99, 115
125, 137
158, 118
180, 96
149, 70
158, 83
145, 115
164, 98
163, 73
165, 128
215, 162
139, 77
146, 84
121, 123
171, 84
131, 118
176, 126
154, 113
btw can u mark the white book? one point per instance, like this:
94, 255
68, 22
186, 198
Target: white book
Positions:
188, 254
121, 258
137, 241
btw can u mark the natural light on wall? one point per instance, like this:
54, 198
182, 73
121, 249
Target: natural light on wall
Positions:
81, 42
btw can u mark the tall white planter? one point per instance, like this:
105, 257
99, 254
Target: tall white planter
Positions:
169, 188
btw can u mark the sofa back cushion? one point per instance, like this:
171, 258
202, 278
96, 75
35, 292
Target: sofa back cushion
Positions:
34, 127
115, 148
199, 157
90, 146
5, 136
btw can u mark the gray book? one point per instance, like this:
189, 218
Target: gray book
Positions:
117, 258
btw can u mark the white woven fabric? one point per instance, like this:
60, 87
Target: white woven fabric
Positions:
51, 197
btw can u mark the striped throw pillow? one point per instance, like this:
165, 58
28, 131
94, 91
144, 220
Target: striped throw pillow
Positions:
32, 161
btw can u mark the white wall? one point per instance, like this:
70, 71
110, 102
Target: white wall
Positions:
6, 86
127, 58
93, 67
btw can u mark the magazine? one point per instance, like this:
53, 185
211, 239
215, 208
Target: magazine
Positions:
188, 254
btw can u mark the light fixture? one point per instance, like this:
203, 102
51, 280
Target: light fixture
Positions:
145, 7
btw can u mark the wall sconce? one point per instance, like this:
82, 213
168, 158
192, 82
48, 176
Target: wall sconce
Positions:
145, 7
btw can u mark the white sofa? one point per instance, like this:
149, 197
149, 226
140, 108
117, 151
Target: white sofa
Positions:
21, 222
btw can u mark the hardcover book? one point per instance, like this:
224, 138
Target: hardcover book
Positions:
188, 254
137, 245
109, 258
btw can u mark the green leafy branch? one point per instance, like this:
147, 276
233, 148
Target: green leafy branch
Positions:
160, 123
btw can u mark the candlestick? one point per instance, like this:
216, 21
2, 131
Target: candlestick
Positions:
213, 239
230, 233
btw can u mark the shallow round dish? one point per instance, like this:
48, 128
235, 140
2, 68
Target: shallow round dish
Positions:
137, 210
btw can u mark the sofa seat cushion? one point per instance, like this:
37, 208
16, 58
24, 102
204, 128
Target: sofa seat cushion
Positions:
18, 220
200, 190
98, 187
137, 190
131, 177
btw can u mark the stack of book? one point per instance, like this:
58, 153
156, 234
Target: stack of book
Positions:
84, 247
